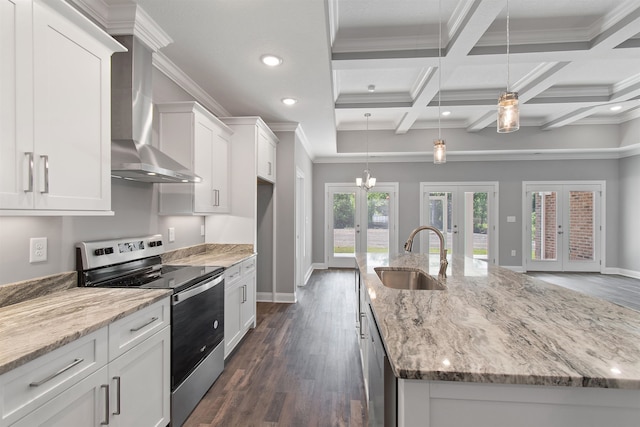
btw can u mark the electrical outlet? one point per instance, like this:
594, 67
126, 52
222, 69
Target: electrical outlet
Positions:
172, 234
37, 249
513, 252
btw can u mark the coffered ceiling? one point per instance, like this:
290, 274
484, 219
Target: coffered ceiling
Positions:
570, 61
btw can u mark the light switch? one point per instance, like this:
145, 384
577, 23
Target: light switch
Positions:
511, 218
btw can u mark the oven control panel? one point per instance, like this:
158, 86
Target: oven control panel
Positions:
106, 252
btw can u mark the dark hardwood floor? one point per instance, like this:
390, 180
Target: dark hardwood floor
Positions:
621, 290
299, 367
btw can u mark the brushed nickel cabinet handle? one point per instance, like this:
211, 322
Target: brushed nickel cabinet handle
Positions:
29, 156
106, 405
55, 374
153, 319
117, 411
361, 334
45, 162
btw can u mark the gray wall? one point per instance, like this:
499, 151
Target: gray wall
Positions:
509, 174
629, 257
135, 206
291, 157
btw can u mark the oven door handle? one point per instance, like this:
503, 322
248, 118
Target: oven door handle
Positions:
195, 290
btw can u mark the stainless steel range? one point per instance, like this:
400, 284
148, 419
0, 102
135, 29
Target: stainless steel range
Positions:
197, 308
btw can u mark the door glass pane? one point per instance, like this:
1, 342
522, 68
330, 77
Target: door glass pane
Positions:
543, 225
476, 214
378, 221
440, 207
344, 236
581, 225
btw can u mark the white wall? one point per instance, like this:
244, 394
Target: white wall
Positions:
509, 174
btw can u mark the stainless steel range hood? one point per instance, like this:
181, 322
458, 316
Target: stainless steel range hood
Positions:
132, 155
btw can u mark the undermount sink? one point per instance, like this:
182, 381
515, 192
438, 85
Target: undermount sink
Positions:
408, 278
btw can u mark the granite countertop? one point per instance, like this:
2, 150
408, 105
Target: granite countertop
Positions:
37, 326
209, 254
492, 325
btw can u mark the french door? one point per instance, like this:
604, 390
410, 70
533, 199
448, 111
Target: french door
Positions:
359, 221
563, 226
466, 214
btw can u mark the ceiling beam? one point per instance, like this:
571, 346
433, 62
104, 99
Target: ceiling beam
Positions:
469, 23
623, 24
568, 118
429, 88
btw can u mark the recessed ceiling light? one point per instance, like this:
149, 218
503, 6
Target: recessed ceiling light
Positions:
616, 108
271, 60
446, 113
371, 88
289, 101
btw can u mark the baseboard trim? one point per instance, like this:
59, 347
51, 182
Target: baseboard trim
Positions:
516, 268
308, 274
319, 266
624, 272
264, 296
277, 297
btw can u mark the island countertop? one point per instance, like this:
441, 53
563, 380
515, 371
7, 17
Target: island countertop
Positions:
493, 325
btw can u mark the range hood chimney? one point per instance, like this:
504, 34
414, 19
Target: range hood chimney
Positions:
132, 155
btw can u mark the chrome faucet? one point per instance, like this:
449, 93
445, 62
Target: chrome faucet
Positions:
443, 252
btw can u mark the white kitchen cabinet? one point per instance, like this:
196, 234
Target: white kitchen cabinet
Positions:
84, 404
55, 102
119, 374
198, 140
240, 302
140, 381
266, 156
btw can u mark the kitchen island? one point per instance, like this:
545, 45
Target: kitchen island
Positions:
499, 348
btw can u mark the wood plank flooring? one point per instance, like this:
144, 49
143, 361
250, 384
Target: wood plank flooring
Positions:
299, 367
617, 289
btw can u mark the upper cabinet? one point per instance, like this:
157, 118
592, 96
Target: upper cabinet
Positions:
55, 127
197, 139
266, 156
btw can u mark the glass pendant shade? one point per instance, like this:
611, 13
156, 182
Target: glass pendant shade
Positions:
508, 112
439, 152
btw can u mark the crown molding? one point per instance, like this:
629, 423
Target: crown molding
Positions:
126, 19
173, 72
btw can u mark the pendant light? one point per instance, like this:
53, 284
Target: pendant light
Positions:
508, 110
439, 146
367, 182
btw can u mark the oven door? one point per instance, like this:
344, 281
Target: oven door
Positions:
197, 326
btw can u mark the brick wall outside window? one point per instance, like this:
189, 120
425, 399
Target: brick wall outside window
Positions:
581, 225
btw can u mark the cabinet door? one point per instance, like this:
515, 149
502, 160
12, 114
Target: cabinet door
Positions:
266, 157
71, 115
84, 404
140, 383
233, 297
248, 307
220, 173
204, 191
16, 131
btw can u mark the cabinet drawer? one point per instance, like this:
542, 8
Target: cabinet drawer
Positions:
232, 274
31, 385
137, 327
248, 266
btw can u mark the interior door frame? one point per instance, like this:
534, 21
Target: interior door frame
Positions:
348, 262
493, 218
599, 225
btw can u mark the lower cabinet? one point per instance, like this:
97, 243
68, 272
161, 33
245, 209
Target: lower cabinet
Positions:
239, 302
85, 384
84, 404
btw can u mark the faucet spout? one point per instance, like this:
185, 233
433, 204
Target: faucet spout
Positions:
442, 273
